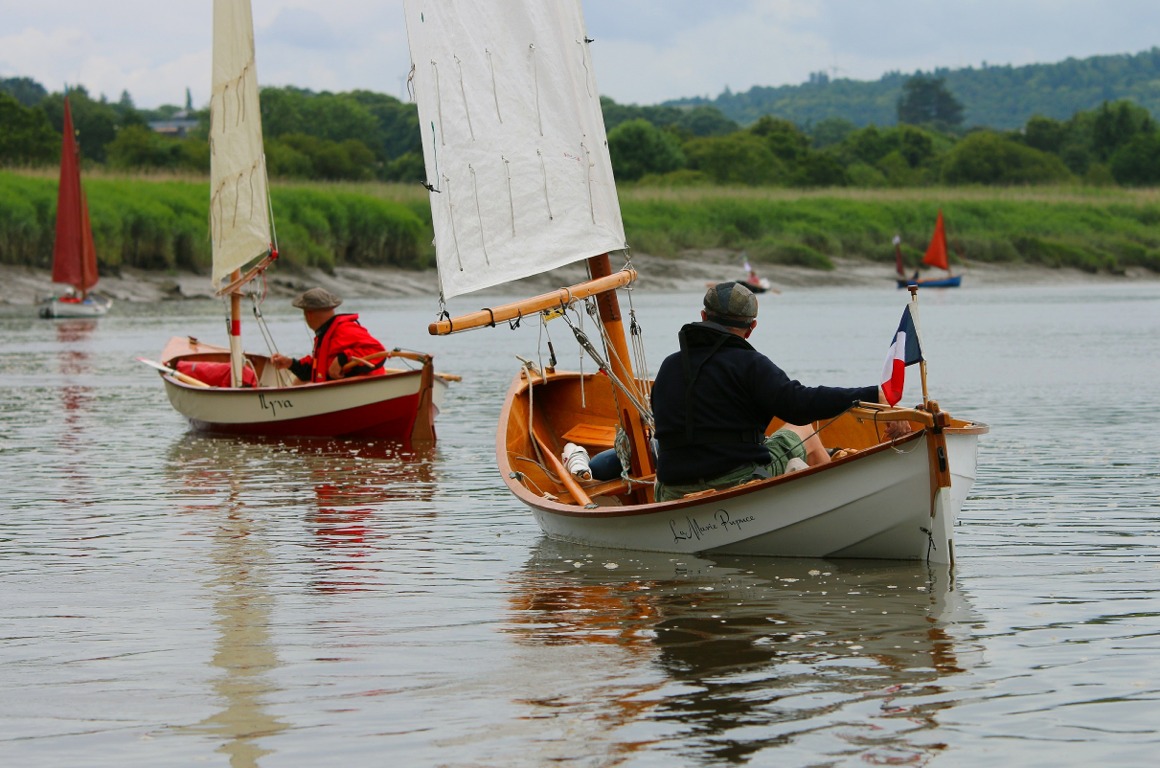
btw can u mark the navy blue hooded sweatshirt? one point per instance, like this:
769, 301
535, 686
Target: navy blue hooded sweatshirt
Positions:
736, 392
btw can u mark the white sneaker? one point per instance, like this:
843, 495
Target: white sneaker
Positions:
795, 465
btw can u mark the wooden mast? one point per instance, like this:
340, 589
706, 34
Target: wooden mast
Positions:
237, 356
620, 364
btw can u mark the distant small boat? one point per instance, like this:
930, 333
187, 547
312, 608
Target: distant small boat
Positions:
936, 256
74, 257
753, 282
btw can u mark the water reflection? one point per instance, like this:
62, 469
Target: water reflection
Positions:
348, 490
240, 489
756, 654
244, 652
73, 362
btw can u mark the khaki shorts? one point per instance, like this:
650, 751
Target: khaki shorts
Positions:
783, 445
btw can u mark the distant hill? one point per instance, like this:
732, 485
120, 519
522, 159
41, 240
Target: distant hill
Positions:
1001, 97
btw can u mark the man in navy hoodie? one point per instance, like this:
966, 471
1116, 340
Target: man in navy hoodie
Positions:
714, 398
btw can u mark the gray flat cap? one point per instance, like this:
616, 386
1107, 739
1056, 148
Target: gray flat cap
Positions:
317, 298
731, 300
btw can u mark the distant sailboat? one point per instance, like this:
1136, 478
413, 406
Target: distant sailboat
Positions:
936, 256
74, 257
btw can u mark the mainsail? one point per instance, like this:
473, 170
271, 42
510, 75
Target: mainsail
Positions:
513, 139
239, 210
936, 252
74, 258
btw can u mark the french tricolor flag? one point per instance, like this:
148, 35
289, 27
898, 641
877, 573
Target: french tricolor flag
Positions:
904, 351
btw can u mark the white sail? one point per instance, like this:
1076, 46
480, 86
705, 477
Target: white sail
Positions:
239, 210
513, 139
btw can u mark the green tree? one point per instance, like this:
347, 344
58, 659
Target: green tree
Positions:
1137, 163
638, 148
138, 148
867, 145
704, 121
784, 138
282, 111
692, 121
914, 144
1045, 134
831, 131
740, 158
818, 169
26, 137
312, 157
986, 157
96, 122
926, 101
398, 124
1114, 125
24, 89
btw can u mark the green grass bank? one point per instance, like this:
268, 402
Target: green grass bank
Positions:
162, 224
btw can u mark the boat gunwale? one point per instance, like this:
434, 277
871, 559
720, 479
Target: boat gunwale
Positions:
520, 384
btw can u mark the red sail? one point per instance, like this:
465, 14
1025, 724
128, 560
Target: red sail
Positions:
936, 252
74, 259
899, 265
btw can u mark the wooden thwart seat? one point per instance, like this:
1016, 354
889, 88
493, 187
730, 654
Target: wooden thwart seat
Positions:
595, 435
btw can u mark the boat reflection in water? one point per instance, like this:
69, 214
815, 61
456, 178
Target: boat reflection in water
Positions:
74, 363
240, 490
243, 650
742, 656
337, 487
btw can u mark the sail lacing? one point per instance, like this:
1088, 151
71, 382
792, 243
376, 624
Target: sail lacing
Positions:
536, 82
584, 63
479, 214
494, 87
588, 166
507, 165
544, 174
463, 93
438, 99
451, 218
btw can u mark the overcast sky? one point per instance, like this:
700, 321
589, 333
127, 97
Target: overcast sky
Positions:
646, 51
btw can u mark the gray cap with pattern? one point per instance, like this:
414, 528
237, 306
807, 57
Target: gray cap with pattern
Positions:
731, 300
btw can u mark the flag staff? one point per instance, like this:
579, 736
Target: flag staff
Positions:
921, 363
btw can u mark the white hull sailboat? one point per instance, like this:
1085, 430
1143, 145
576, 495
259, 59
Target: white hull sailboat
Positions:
225, 389
74, 257
521, 183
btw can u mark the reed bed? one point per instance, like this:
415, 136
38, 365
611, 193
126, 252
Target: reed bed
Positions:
161, 223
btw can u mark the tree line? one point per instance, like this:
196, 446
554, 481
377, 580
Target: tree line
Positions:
367, 136
999, 97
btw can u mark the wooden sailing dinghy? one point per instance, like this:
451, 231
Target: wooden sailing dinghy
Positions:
227, 390
74, 257
521, 183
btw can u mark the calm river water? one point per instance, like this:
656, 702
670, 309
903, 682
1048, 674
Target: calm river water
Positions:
174, 599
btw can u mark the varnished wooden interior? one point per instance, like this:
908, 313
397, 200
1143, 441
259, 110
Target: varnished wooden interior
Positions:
566, 408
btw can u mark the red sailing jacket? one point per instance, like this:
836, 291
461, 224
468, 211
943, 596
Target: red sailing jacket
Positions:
342, 335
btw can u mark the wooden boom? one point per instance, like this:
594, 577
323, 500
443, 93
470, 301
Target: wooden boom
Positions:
561, 297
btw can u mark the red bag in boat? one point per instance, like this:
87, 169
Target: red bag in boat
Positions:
215, 374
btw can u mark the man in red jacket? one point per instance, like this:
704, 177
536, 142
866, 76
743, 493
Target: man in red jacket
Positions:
341, 345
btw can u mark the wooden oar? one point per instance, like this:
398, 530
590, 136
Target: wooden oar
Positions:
407, 354
184, 378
